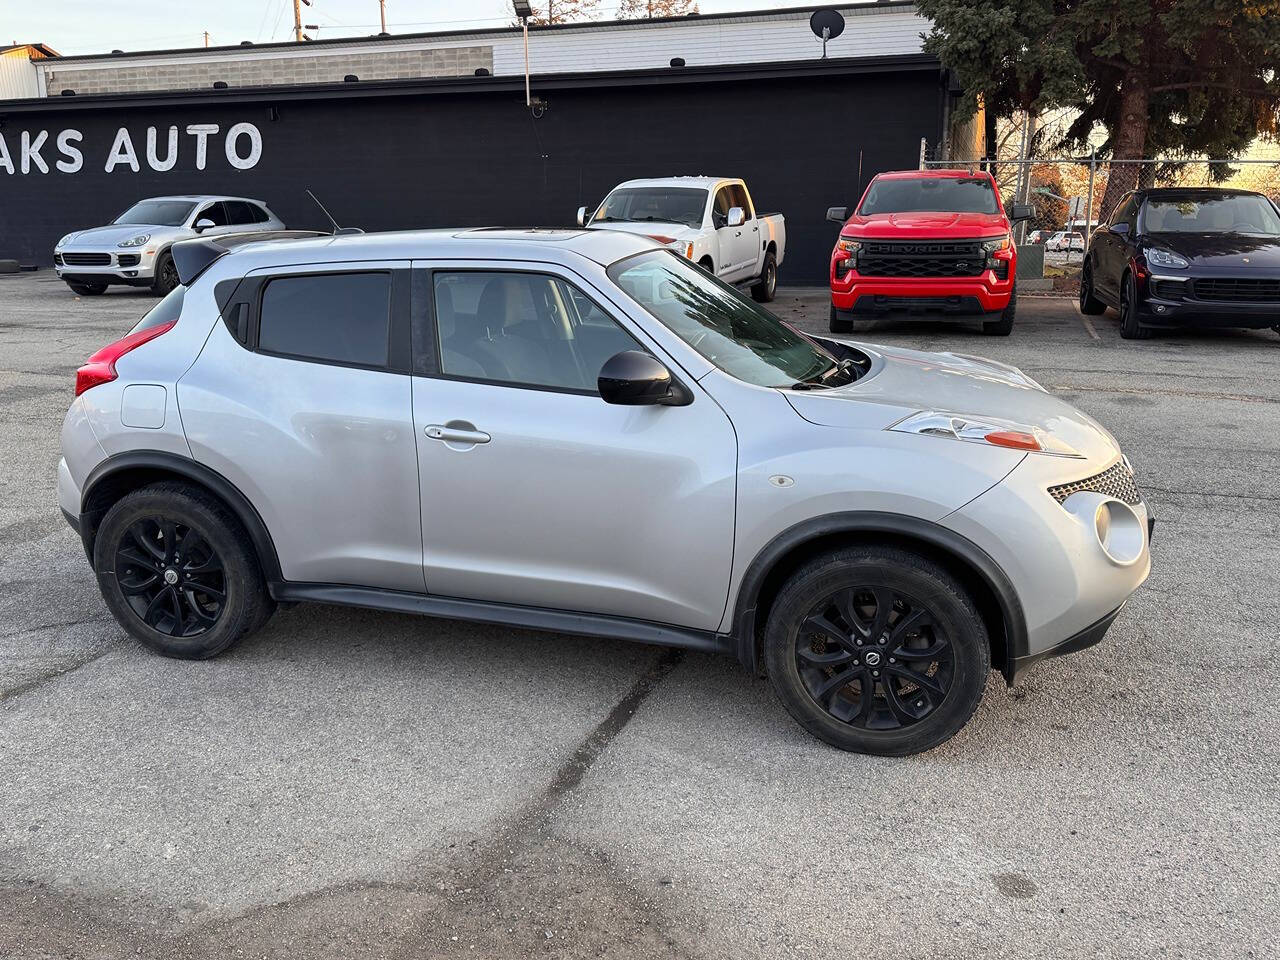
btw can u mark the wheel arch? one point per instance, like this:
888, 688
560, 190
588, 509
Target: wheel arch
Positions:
992, 591
120, 474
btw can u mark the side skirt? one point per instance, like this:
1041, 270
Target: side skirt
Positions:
511, 615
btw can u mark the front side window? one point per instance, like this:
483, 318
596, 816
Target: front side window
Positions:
158, 213
727, 329
340, 318
215, 212
720, 212
1226, 213
653, 205
523, 329
930, 195
738, 198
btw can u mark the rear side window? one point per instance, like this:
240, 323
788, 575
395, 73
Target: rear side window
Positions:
259, 214
337, 318
238, 212
166, 311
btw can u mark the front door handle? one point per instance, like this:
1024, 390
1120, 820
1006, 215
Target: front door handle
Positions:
456, 432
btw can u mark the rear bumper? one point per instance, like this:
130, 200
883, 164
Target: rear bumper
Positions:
969, 296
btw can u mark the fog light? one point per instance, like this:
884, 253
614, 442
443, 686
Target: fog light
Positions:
1160, 308
1115, 525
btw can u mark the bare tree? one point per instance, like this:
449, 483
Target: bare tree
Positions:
648, 9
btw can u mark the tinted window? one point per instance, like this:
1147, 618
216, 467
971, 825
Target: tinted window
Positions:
739, 337
339, 317
214, 212
158, 213
1206, 213
738, 196
930, 195
259, 214
657, 204
238, 212
166, 311
720, 212
523, 329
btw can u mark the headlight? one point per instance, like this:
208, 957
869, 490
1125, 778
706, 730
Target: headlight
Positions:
137, 241
850, 247
65, 240
995, 243
992, 430
1165, 258
846, 255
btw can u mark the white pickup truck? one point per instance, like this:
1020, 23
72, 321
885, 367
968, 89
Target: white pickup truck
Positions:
710, 220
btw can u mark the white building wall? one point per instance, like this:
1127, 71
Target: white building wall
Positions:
19, 78
871, 31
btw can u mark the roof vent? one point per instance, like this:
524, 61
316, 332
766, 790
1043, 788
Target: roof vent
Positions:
246, 43
350, 78
68, 93
677, 61
219, 84
117, 51
482, 71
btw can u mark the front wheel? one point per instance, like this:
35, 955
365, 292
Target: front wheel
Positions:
178, 572
839, 324
1130, 328
767, 288
166, 277
877, 650
1004, 326
1090, 305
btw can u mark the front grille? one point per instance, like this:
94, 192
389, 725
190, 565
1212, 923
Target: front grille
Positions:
129, 259
1116, 482
882, 303
1239, 289
1169, 289
87, 259
926, 258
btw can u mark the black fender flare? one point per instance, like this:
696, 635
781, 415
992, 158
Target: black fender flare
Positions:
901, 526
185, 467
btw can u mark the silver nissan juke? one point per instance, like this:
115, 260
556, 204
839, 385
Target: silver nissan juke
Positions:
582, 432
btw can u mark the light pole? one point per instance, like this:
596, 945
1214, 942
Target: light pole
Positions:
524, 11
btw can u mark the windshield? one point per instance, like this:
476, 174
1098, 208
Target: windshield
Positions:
661, 204
1239, 213
739, 337
158, 213
930, 195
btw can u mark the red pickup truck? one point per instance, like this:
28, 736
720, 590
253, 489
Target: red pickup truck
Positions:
927, 243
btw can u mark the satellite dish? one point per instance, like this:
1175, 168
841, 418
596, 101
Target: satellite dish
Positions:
827, 24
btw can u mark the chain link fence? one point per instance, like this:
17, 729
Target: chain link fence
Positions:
1072, 195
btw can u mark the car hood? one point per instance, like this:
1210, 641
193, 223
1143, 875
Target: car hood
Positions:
652, 228
98, 237
886, 226
1222, 249
902, 382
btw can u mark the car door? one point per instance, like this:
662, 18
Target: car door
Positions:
217, 212
1109, 251
728, 239
746, 238
302, 399
537, 492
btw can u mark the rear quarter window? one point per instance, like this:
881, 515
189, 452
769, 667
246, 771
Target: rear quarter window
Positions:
335, 318
166, 311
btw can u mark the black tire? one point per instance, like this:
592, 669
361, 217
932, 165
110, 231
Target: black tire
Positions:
767, 288
1090, 305
1130, 328
169, 603
166, 275
1276, 329
1004, 326
838, 324
87, 289
927, 612
708, 265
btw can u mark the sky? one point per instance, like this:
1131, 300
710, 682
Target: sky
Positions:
100, 26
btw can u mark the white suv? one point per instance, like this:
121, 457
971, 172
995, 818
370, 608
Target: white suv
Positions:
580, 431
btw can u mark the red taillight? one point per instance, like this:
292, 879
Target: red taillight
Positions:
101, 367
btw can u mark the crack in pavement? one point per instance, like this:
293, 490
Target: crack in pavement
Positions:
50, 675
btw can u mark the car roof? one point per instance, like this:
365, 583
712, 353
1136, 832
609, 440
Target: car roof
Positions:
199, 198
481, 243
699, 181
931, 173
1161, 192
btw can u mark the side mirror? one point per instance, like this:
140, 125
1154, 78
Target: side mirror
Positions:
837, 214
1021, 211
203, 224
737, 216
634, 378
582, 216
1119, 229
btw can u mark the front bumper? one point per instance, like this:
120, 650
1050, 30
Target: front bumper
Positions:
132, 266
856, 295
1170, 301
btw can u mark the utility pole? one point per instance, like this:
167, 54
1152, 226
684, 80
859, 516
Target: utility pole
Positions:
298, 35
206, 38
382, 10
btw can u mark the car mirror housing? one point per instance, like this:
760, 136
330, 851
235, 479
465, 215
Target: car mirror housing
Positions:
582, 216
837, 214
1021, 211
634, 378
204, 223
737, 216
1119, 229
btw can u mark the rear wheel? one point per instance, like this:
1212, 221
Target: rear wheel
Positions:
178, 572
1130, 328
1090, 305
1004, 326
88, 289
166, 277
877, 650
839, 324
767, 288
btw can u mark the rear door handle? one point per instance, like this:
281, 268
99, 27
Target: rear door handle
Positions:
454, 433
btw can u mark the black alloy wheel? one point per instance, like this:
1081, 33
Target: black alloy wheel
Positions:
170, 577
166, 277
874, 658
1090, 305
1130, 327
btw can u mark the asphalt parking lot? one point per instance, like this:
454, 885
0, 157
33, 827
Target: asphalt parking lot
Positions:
358, 783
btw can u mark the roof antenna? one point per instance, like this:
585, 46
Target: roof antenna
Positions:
337, 230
